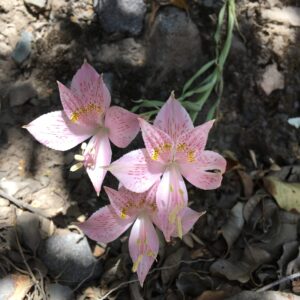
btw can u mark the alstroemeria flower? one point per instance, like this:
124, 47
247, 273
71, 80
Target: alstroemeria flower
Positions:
128, 208
86, 114
174, 148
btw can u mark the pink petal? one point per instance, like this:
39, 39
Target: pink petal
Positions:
189, 218
136, 171
192, 142
97, 158
123, 126
55, 131
171, 200
206, 172
173, 118
89, 85
104, 225
143, 246
124, 202
88, 98
158, 143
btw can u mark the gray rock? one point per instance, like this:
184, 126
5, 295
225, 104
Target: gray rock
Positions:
21, 92
23, 48
59, 292
36, 5
174, 42
68, 257
121, 16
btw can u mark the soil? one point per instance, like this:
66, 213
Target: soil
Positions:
252, 131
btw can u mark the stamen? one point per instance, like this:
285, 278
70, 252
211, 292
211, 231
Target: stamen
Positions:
79, 157
150, 253
83, 146
179, 227
123, 213
136, 263
171, 188
181, 147
76, 167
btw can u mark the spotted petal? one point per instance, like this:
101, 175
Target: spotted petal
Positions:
55, 131
192, 142
97, 158
171, 200
136, 171
104, 225
88, 98
173, 118
143, 246
158, 143
122, 124
206, 172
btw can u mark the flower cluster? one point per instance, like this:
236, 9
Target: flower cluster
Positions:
152, 189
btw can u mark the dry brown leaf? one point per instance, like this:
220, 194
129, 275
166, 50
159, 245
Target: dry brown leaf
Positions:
213, 295
180, 4
15, 287
247, 183
287, 195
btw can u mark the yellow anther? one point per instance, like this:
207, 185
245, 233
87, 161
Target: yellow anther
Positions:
136, 263
155, 154
83, 146
76, 167
171, 188
179, 227
173, 215
91, 107
181, 147
191, 156
181, 192
79, 157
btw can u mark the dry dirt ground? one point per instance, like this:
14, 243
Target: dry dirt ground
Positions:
245, 240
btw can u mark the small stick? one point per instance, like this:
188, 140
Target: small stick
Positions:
284, 279
23, 205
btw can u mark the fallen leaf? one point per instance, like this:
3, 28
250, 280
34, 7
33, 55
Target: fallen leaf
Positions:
168, 274
287, 195
180, 4
213, 295
247, 183
234, 225
15, 287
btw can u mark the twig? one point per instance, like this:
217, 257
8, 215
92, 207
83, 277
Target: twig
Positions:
287, 278
152, 271
36, 282
23, 205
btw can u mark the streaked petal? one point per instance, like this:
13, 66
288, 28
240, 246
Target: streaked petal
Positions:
173, 118
143, 246
97, 158
55, 131
206, 172
87, 100
104, 225
188, 219
158, 143
171, 200
125, 202
123, 126
136, 171
88, 85
192, 142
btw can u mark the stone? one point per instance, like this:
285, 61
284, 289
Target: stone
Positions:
68, 257
289, 15
21, 92
174, 42
272, 79
128, 52
121, 16
23, 48
57, 291
36, 5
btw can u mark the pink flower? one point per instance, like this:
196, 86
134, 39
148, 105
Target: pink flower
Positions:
86, 114
174, 148
128, 208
